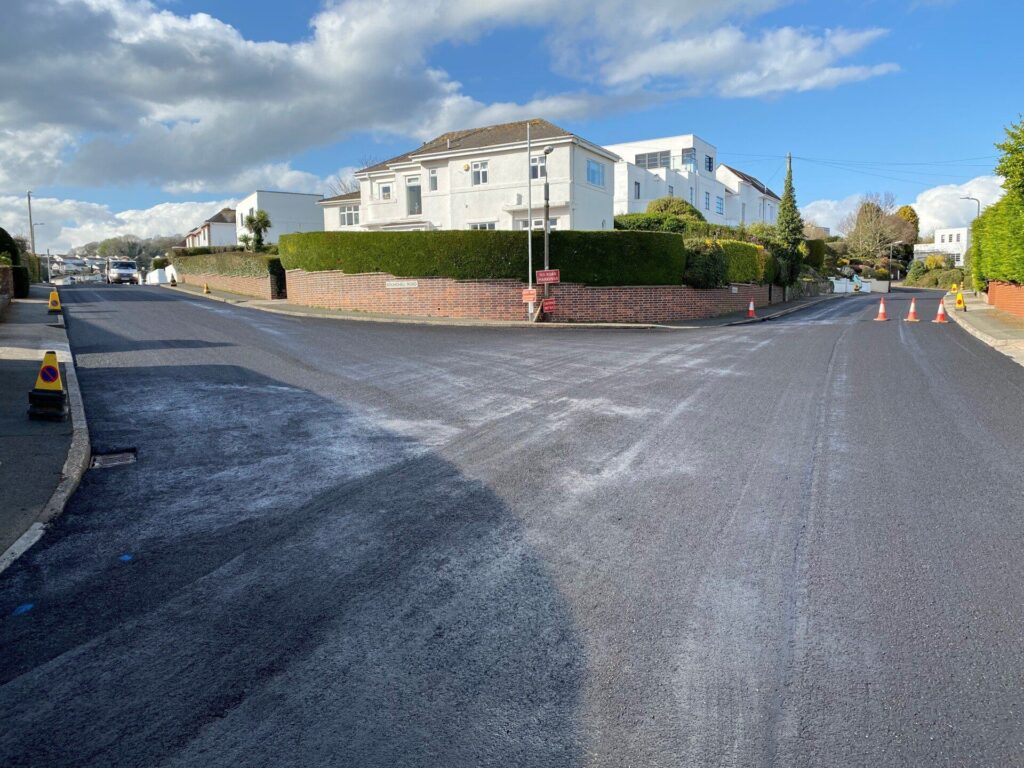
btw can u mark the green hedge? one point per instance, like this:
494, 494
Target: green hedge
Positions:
667, 222
8, 246
593, 258
21, 281
159, 263
998, 242
815, 256
741, 261
706, 264
234, 263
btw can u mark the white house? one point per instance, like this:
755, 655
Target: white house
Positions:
288, 212
478, 179
218, 230
748, 200
675, 166
948, 242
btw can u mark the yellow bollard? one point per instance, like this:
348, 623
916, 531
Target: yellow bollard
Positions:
54, 304
960, 303
206, 288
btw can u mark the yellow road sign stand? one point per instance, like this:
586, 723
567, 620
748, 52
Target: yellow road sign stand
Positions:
48, 400
960, 303
54, 305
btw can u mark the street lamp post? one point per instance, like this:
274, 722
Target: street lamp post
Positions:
976, 200
31, 227
547, 213
891, 246
529, 218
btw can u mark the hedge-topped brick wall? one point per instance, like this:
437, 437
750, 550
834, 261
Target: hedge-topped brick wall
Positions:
251, 274
1007, 296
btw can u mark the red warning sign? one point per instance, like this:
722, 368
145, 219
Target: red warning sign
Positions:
529, 295
549, 305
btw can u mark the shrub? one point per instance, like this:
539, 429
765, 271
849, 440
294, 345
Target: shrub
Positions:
5, 260
705, 264
21, 281
684, 225
675, 206
815, 257
8, 246
881, 274
998, 242
159, 263
917, 268
935, 261
593, 258
34, 268
236, 264
741, 261
767, 265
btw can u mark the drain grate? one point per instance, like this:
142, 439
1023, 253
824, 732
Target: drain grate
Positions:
113, 459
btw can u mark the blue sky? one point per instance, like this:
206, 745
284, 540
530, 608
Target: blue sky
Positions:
154, 105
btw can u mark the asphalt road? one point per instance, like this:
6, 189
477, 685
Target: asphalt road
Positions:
797, 543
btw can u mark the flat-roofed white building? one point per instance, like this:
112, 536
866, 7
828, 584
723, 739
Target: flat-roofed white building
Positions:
952, 241
480, 179
288, 212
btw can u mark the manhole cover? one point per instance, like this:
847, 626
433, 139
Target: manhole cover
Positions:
112, 459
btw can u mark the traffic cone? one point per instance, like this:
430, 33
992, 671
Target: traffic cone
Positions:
206, 288
47, 399
881, 311
750, 309
912, 317
940, 317
54, 304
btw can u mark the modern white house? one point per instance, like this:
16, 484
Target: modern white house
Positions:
218, 230
288, 212
747, 199
478, 179
948, 242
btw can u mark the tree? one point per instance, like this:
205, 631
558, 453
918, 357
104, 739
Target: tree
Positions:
245, 240
121, 247
789, 224
675, 206
909, 215
1011, 164
258, 223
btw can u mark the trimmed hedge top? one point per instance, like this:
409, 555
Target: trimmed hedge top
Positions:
234, 263
997, 242
592, 258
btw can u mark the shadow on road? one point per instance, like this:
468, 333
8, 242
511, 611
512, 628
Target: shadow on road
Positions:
303, 588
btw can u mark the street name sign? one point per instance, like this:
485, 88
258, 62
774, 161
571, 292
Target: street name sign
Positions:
548, 276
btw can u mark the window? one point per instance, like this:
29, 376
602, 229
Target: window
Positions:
539, 224
653, 160
538, 166
709, 163
595, 173
671, 191
432, 180
689, 158
348, 215
958, 237
720, 206
707, 201
413, 196
479, 173
481, 225
636, 190
942, 238
384, 192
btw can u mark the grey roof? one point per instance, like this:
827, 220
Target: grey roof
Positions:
478, 138
223, 216
336, 198
755, 183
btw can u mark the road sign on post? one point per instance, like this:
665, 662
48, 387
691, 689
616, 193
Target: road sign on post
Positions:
548, 276
529, 295
548, 305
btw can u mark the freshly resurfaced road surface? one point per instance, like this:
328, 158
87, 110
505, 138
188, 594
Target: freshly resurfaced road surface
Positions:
797, 543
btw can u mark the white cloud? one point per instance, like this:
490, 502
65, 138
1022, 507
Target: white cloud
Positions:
68, 223
940, 206
103, 92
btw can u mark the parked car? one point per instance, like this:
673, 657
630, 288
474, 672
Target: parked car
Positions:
123, 271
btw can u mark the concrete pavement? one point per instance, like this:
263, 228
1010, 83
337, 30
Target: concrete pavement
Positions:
793, 543
40, 462
1000, 330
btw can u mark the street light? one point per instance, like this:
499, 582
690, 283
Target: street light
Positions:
547, 211
975, 200
891, 246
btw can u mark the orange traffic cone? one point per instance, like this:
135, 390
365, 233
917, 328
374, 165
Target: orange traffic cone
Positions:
912, 317
881, 310
940, 317
750, 309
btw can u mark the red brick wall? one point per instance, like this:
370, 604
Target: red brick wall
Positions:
502, 299
258, 287
1007, 297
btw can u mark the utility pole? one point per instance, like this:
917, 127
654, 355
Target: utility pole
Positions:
31, 227
547, 213
529, 218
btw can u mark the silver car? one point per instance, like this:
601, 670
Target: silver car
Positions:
122, 271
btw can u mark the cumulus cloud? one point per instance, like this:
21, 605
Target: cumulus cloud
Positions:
940, 206
68, 223
120, 91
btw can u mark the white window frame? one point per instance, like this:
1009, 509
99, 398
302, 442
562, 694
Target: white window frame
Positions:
636, 190
348, 216
707, 201
599, 170
720, 205
384, 191
671, 191
432, 180
478, 173
538, 224
483, 225
538, 166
